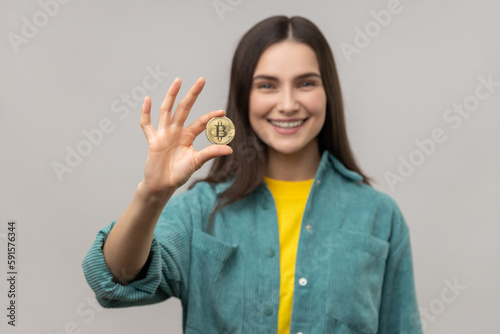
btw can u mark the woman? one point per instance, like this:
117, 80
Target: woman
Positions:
229, 247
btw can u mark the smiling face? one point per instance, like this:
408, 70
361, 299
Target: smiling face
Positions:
287, 99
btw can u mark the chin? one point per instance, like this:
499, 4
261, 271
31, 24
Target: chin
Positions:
288, 150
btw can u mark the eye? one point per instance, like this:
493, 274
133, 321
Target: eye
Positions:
307, 84
265, 85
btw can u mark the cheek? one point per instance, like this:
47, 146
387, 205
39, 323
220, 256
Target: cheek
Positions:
259, 107
260, 104
317, 102
317, 106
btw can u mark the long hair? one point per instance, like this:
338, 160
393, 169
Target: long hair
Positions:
246, 165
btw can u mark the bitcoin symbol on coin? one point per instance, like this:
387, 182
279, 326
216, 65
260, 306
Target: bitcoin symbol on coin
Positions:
220, 130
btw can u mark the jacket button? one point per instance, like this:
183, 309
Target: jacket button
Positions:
269, 252
268, 311
308, 227
266, 206
302, 281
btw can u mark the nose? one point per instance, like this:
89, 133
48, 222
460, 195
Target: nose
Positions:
288, 103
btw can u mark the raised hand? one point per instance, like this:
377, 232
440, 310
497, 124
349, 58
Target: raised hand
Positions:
171, 158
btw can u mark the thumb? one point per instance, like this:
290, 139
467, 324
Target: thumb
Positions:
211, 152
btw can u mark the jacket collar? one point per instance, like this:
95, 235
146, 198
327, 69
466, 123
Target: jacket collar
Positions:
328, 161
339, 167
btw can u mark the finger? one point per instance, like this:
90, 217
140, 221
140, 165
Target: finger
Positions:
199, 125
146, 125
182, 110
211, 152
168, 103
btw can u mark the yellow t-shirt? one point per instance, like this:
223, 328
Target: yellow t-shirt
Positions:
291, 198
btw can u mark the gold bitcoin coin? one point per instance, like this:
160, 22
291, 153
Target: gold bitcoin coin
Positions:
220, 130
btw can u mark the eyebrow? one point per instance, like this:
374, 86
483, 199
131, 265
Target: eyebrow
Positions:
302, 76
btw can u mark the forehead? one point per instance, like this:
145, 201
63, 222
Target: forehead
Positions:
287, 59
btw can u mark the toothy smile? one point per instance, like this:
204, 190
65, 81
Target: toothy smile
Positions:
287, 124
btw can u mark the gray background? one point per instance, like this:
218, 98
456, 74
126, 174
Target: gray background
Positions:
397, 89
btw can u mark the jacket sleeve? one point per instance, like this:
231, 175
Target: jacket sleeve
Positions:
399, 313
164, 275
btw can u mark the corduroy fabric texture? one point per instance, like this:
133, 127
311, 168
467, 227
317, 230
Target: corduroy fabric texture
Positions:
353, 274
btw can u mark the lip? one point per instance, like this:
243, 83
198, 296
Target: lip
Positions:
286, 119
287, 131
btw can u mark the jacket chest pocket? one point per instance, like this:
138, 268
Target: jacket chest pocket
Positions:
216, 285
355, 278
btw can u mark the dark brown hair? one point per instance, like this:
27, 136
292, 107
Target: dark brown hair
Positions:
247, 163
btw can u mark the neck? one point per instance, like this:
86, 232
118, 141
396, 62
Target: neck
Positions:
297, 166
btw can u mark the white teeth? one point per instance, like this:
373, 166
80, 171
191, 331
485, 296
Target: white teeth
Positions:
287, 124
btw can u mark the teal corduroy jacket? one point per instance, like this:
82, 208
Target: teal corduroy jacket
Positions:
353, 274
